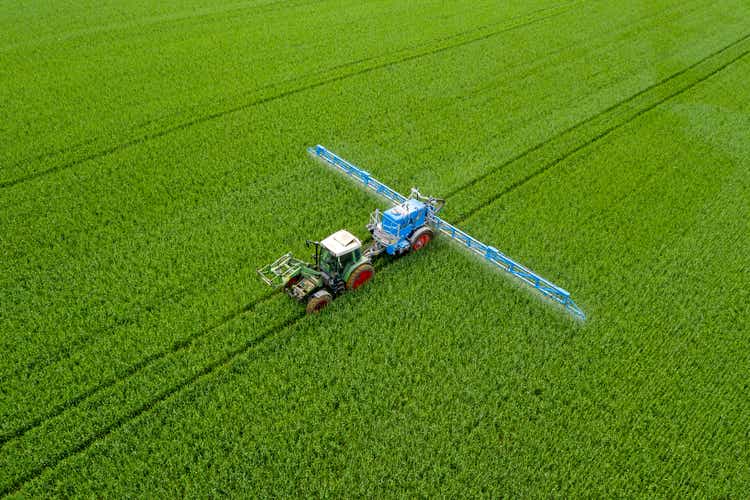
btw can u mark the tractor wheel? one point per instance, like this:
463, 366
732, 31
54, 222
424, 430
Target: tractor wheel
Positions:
318, 301
360, 276
420, 238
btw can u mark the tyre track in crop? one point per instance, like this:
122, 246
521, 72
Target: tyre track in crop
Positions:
555, 150
47, 426
177, 346
557, 161
583, 142
267, 87
59, 151
51, 357
57, 456
430, 48
144, 408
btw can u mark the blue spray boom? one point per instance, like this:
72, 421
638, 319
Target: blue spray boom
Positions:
403, 228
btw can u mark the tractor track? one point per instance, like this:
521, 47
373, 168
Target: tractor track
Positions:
60, 354
269, 86
53, 357
52, 153
610, 109
257, 341
637, 114
145, 408
163, 396
181, 344
325, 80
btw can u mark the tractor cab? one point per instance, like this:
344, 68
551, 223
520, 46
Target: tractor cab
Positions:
339, 252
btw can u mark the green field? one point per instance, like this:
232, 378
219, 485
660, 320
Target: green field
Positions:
153, 156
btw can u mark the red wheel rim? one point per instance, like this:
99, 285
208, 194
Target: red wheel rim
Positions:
421, 241
320, 305
362, 278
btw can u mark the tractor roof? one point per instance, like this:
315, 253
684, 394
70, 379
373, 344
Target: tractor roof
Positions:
341, 242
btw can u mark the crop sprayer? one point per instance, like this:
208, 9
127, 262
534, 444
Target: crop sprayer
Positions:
340, 264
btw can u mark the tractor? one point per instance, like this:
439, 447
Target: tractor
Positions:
339, 265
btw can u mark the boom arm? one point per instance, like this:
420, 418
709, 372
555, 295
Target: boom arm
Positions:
489, 253
356, 173
497, 258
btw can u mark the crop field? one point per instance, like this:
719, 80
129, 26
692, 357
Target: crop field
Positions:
153, 156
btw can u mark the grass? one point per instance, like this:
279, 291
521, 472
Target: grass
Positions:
603, 145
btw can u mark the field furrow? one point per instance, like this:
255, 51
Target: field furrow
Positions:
537, 160
83, 151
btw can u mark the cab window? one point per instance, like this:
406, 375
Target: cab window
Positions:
327, 261
346, 260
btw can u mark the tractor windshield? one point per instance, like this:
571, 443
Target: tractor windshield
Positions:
337, 265
346, 260
328, 262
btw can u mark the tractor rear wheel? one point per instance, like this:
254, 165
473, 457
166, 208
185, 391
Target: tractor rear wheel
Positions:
360, 276
420, 238
318, 302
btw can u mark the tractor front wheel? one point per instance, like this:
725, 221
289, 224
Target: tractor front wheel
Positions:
360, 276
420, 238
318, 302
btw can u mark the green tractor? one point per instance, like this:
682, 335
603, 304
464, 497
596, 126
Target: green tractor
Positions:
340, 265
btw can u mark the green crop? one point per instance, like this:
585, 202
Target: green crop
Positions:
154, 156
